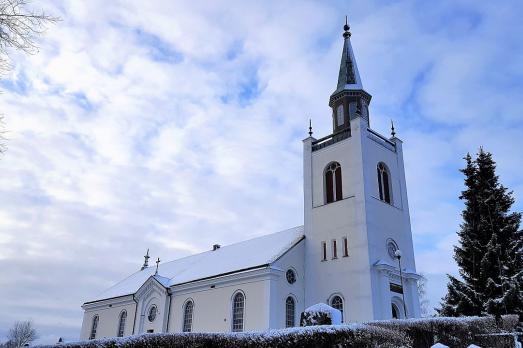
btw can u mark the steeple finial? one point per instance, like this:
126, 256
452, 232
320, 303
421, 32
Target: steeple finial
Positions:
157, 264
392, 131
346, 28
310, 127
146, 261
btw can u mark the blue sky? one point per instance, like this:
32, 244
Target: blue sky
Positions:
177, 125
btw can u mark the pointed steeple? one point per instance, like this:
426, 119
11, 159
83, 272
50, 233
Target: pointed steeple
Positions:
349, 76
349, 101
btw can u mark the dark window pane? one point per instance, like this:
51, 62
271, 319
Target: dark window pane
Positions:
328, 187
289, 312
379, 184
339, 194
386, 186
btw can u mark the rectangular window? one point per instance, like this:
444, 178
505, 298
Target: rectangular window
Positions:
334, 249
323, 251
345, 247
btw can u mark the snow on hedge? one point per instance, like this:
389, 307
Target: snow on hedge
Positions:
452, 332
320, 314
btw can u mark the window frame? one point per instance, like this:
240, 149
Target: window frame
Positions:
94, 327
187, 321
340, 111
384, 183
334, 248
324, 251
332, 182
345, 246
288, 313
122, 320
234, 326
342, 301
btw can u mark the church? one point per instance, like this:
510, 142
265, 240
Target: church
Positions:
354, 251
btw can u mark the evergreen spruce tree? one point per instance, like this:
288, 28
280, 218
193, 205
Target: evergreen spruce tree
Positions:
490, 250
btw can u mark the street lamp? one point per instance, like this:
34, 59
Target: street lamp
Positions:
397, 253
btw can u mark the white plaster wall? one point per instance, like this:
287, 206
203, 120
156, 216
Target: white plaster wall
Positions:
346, 276
109, 316
143, 324
281, 289
387, 221
212, 310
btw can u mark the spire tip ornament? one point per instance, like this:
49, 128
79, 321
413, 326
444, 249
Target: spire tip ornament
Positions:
146, 260
392, 131
310, 127
346, 28
157, 264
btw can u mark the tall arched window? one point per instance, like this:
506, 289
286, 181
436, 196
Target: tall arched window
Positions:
384, 182
290, 309
337, 302
238, 307
121, 323
94, 327
333, 191
340, 118
187, 316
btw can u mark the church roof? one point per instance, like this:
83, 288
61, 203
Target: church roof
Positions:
349, 76
253, 253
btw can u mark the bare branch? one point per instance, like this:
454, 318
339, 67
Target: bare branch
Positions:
22, 333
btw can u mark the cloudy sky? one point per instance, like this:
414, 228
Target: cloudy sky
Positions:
176, 125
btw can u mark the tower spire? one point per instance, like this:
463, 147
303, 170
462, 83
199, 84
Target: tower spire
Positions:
349, 76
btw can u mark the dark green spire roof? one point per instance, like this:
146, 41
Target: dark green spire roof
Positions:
349, 76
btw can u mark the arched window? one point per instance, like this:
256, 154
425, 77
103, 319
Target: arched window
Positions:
340, 119
290, 309
238, 307
384, 182
187, 316
94, 327
395, 312
333, 190
121, 323
337, 302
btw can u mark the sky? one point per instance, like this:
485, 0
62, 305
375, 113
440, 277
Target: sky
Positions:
175, 125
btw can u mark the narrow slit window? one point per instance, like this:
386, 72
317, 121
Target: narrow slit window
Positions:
334, 249
324, 251
345, 247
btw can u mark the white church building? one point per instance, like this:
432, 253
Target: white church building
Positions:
354, 251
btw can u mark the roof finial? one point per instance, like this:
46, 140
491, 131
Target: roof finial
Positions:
146, 261
157, 263
392, 131
346, 27
310, 127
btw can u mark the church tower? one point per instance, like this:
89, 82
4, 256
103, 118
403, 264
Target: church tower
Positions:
356, 211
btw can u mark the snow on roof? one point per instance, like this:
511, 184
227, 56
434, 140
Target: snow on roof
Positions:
232, 258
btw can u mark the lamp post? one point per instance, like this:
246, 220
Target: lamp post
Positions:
397, 253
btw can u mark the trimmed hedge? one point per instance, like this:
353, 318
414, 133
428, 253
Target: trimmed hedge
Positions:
350, 336
422, 333
454, 332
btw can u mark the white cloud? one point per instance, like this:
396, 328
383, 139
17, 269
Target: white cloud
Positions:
175, 126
